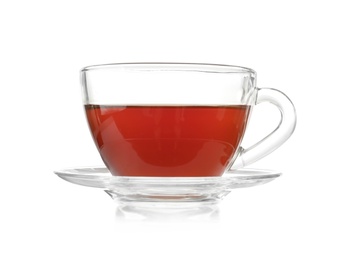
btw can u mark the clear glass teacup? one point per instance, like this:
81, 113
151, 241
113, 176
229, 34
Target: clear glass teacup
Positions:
177, 119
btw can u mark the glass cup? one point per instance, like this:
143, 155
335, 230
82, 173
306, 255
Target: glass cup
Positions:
177, 119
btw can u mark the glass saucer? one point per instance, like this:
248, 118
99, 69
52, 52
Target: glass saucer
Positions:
172, 190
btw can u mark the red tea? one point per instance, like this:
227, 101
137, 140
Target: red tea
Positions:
174, 141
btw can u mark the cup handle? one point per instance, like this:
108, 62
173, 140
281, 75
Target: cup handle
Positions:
277, 137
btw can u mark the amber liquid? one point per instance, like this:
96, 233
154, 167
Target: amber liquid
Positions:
169, 141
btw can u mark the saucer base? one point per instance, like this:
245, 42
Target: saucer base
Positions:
167, 191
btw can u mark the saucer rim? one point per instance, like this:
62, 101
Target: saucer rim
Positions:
103, 172
166, 189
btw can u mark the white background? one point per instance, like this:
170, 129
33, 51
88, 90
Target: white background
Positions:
299, 47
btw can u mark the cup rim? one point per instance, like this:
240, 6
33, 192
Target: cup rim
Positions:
172, 66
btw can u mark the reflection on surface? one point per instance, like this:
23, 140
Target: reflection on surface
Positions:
167, 212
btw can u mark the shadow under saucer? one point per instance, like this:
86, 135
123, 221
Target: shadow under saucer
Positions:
173, 212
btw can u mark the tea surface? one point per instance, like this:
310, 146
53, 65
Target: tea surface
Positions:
174, 141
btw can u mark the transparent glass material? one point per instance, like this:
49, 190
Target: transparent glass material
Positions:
185, 85
168, 84
171, 190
